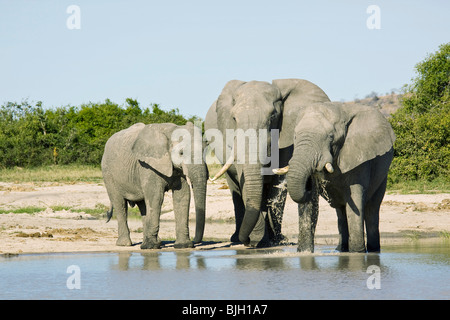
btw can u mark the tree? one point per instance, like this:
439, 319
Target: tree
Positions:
33, 136
422, 124
431, 87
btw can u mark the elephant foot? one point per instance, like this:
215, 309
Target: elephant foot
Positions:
305, 250
123, 242
358, 250
342, 248
235, 237
306, 247
264, 243
279, 240
247, 242
356, 246
183, 245
375, 248
147, 244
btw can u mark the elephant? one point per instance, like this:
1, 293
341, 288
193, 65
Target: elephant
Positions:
140, 164
258, 196
342, 152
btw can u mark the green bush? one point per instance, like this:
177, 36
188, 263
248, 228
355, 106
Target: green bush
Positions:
422, 124
33, 136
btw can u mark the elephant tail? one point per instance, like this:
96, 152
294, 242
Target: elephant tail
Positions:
109, 213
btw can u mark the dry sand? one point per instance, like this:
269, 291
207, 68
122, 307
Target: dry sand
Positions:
402, 218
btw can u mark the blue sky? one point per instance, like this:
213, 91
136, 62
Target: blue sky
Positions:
180, 54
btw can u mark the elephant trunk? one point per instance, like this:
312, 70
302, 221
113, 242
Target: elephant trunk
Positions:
253, 189
198, 178
301, 167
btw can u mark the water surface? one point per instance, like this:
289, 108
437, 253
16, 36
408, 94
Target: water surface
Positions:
411, 271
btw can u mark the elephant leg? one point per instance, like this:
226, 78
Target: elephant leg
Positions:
181, 202
153, 203
259, 236
308, 213
275, 206
343, 229
142, 207
372, 218
355, 218
121, 208
239, 207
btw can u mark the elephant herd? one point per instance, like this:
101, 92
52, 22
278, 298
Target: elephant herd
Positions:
339, 151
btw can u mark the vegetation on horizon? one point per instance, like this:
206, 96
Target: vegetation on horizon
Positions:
31, 135
65, 143
422, 124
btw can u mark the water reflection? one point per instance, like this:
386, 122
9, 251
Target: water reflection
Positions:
252, 260
410, 272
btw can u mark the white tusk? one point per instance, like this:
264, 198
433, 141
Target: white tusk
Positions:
329, 167
225, 167
281, 171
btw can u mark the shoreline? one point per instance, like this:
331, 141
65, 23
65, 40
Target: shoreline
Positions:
64, 226
223, 246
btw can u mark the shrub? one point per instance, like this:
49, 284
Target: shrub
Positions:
33, 136
422, 124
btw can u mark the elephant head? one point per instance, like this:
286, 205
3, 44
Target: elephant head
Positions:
296, 94
244, 106
157, 147
335, 137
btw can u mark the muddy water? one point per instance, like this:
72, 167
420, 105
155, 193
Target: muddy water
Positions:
411, 271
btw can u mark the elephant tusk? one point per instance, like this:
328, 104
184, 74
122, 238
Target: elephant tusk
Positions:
281, 171
221, 172
225, 167
329, 167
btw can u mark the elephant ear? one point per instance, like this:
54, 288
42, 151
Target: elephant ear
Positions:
369, 135
153, 147
296, 94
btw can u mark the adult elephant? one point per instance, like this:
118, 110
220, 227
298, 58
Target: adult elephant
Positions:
354, 144
258, 197
140, 164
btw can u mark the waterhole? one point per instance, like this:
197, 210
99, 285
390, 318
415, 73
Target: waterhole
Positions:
408, 271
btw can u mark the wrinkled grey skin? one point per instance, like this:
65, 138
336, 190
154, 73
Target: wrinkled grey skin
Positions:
259, 200
138, 168
358, 141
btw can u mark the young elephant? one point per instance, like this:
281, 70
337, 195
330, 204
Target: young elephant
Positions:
354, 143
139, 165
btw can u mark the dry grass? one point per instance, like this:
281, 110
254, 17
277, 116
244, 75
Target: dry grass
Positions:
64, 174
71, 174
